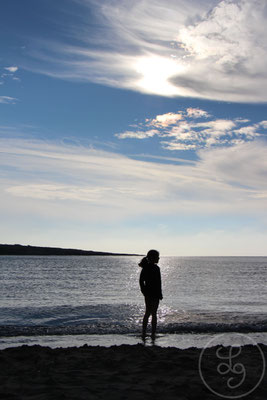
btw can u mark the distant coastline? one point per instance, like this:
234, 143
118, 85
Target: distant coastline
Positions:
21, 250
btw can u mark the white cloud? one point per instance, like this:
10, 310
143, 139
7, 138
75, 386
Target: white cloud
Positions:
54, 179
137, 134
182, 131
217, 125
263, 124
229, 49
167, 119
248, 131
11, 69
244, 165
207, 49
85, 197
197, 113
9, 74
177, 146
57, 192
7, 100
164, 158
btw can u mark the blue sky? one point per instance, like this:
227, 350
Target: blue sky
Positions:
134, 125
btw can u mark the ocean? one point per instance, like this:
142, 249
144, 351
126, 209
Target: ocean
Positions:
96, 300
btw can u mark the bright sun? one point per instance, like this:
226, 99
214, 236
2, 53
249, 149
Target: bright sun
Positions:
156, 72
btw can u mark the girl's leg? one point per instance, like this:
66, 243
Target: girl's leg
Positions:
148, 312
145, 322
154, 316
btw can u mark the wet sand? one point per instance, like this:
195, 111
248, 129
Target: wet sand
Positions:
129, 372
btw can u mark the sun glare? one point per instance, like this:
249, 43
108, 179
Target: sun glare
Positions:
156, 72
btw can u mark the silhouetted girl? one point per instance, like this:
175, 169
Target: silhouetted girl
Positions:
150, 284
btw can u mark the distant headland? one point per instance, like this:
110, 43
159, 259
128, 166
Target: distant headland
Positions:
20, 250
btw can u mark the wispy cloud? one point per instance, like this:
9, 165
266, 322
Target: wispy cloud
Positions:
194, 129
7, 100
55, 179
137, 134
79, 196
197, 113
9, 73
11, 69
211, 50
174, 160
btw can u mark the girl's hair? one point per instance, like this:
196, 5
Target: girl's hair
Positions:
151, 255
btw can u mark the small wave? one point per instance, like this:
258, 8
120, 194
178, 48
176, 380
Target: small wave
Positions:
120, 319
102, 328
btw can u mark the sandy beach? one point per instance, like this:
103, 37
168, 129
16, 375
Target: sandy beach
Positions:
127, 372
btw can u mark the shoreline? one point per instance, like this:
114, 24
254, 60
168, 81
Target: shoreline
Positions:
178, 340
124, 372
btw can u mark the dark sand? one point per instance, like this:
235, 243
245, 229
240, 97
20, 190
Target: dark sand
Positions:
123, 372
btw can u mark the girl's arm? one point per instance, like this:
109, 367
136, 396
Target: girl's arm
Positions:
142, 282
161, 297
